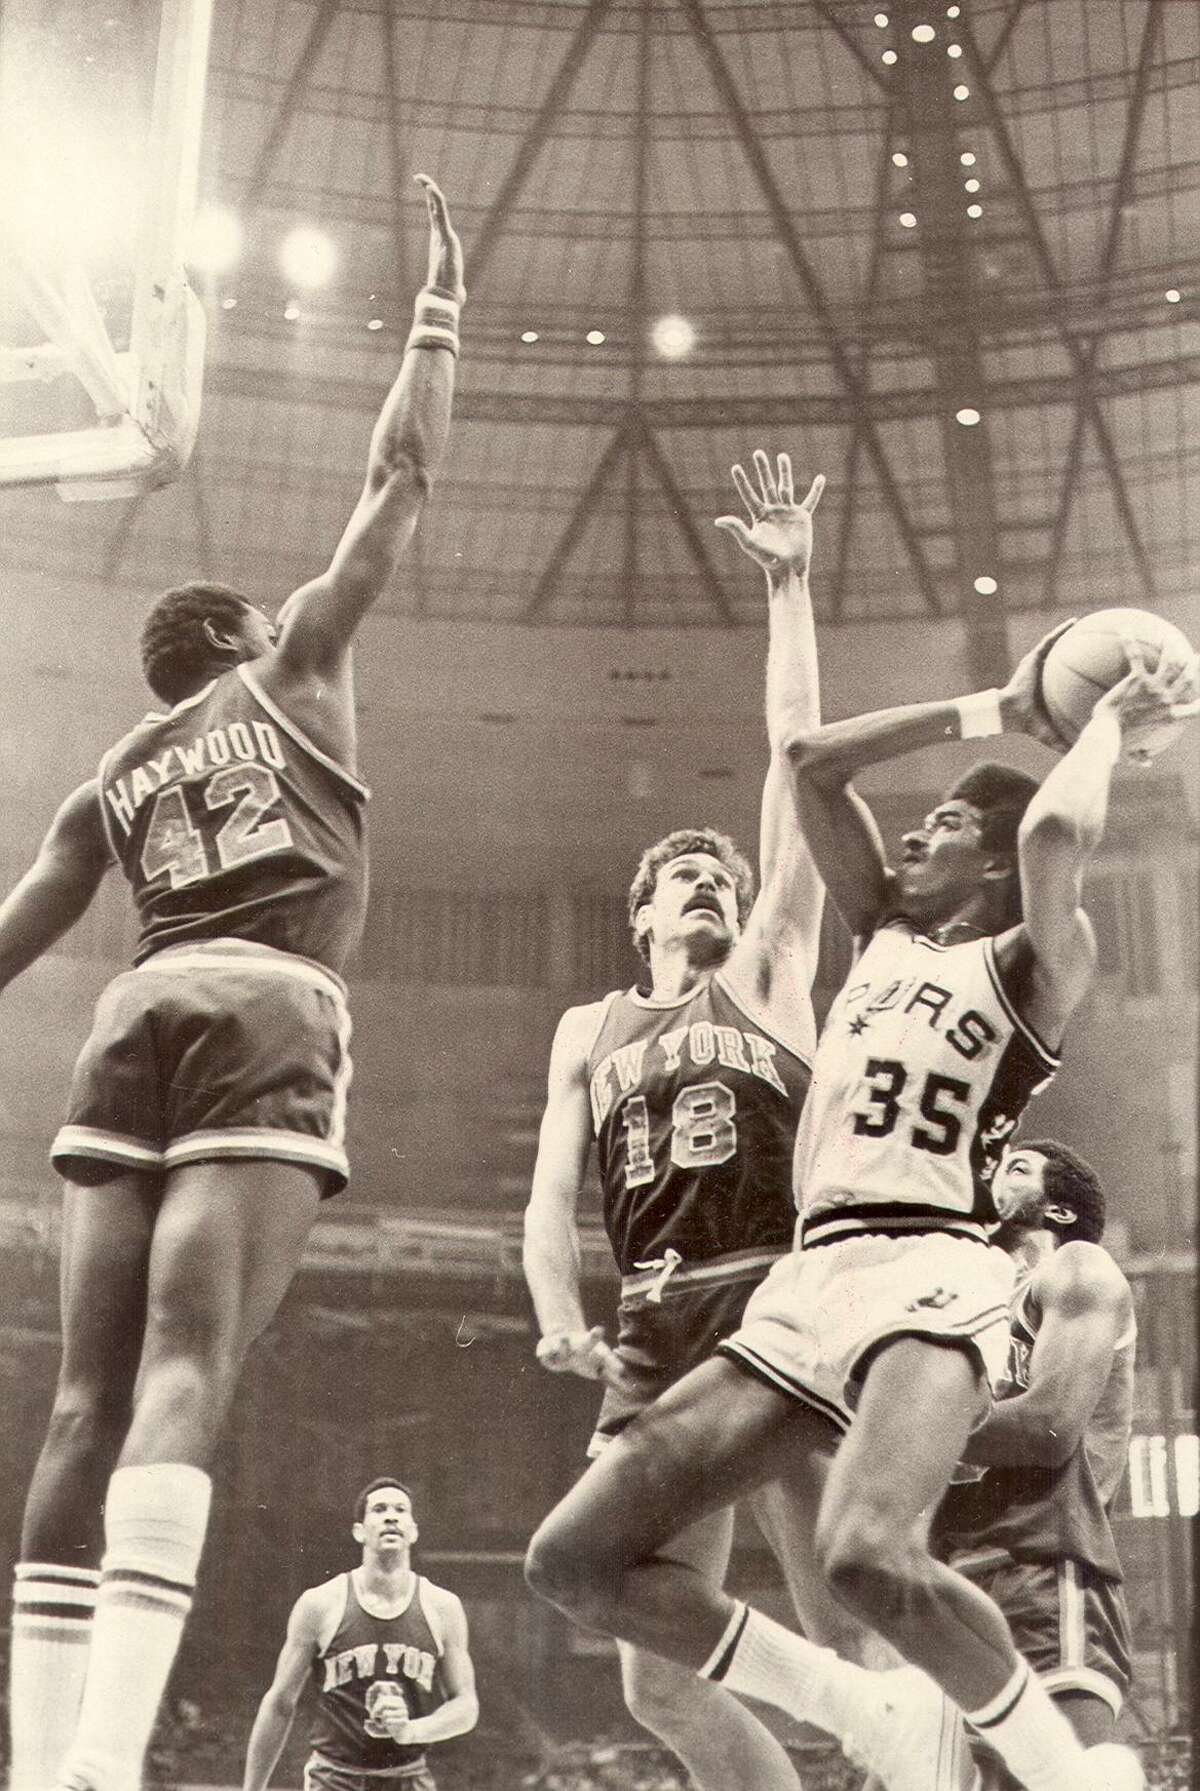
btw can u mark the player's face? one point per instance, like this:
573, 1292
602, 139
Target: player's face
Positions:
387, 1525
943, 862
1019, 1185
695, 899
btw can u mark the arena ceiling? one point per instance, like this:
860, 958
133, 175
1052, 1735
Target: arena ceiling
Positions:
791, 179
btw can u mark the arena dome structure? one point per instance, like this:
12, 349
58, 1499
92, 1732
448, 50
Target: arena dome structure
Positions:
944, 254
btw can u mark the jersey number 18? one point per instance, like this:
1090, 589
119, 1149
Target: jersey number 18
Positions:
703, 1131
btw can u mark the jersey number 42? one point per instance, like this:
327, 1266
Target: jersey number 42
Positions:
176, 846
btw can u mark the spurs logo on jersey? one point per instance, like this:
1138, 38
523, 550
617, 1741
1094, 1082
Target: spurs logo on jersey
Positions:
694, 1108
921, 1075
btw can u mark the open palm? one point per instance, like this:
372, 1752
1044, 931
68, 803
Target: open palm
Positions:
779, 534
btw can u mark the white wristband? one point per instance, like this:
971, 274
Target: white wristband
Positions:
435, 321
979, 715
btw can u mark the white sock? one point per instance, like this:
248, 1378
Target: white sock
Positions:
1032, 1736
759, 1658
51, 1629
155, 1519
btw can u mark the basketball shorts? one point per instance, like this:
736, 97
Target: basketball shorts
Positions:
821, 1313
218, 1050
321, 1774
671, 1317
1070, 1622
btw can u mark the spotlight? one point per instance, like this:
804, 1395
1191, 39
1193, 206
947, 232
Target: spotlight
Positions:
962, 91
967, 158
889, 56
1172, 295
954, 50
923, 34
908, 219
967, 416
229, 304
216, 240
529, 335
974, 211
881, 20
673, 337
952, 12
291, 311
595, 337
900, 160
971, 186
375, 323
308, 257
987, 587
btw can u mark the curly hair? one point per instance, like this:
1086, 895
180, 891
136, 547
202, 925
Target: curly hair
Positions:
360, 1504
1069, 1181
1001, 794
676, 845
177, 657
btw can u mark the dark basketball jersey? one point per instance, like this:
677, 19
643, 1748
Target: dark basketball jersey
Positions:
1037, 1513
922, 1072
372, 1663
694, 1108
230, 823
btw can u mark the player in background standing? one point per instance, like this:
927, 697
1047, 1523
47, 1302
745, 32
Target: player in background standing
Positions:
972, 954
387, 1654
692, 1088
1031, 1525
207, 1109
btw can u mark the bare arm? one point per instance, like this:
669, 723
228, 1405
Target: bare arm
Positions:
318, 621
551, 1242
460, 1712
1064, 824
273, 1722
1086, 1305
59, 885
776, 959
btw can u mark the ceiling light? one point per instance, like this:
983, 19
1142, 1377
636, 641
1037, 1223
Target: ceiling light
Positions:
967, 158
375, 323
1172, 295
673, 337
881, 20
291, 311
908, 219
889, 56
987, 587
967, 416
962, 91
529, 335
595, 337
952, 12
216, 239
923, 34
971, 186
899, 159
308, 257
974, 211
954, 50
229, 304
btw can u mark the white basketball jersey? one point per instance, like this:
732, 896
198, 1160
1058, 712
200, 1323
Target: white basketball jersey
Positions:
922, 1072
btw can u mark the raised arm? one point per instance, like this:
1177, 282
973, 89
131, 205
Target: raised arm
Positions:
460, 1712
318, 621
59, 885
1086, 1307
273, 1721
1064, 824
775, 961
551, 1255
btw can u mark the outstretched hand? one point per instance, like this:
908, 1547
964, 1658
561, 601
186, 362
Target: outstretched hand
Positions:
1021, 704
779, 535
1144, 700
584, 1353
445, 250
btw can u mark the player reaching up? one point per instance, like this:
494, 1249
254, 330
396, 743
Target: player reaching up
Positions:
207, 1110
971, 956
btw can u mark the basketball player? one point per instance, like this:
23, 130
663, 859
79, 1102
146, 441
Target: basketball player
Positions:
972, 954
693, 1087
386, 1653
1031, 1525
207, 1109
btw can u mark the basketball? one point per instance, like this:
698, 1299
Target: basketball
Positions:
1090, 658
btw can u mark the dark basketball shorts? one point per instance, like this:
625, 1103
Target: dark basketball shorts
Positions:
327, 1775
670, 1318
218, 1050
1070, 1623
